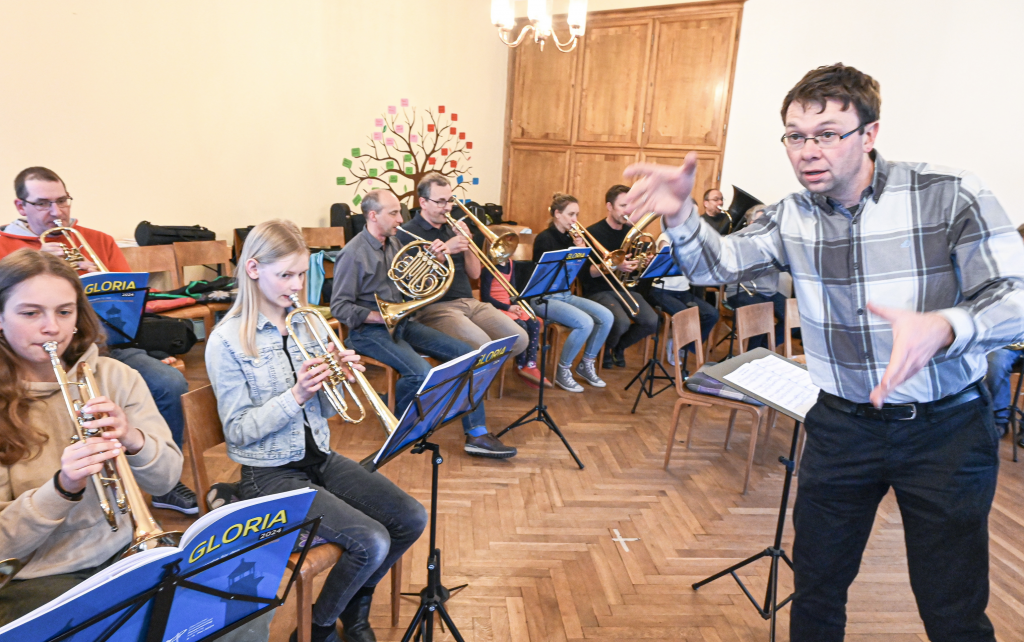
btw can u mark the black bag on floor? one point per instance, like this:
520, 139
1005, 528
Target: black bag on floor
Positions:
148, 234
165, 335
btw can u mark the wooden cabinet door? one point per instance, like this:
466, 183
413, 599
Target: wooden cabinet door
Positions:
535, 173
593, 172
690, 82
544, 83
708, 166
614, 73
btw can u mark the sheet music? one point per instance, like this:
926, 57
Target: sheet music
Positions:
779, 381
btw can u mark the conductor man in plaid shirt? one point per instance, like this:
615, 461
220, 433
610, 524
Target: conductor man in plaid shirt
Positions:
907, 275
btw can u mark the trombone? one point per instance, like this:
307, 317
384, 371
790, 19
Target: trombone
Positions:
116, 477
332, 387
502, 249
609, 260
73, 249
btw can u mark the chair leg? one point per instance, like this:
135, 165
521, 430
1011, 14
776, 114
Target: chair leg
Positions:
689, 429
396, 592
755, 426
728, 432
672, 430
304, 617
207, 325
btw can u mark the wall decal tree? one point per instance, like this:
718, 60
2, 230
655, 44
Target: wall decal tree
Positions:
405, 144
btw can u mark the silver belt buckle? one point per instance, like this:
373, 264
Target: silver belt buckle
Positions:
913, 411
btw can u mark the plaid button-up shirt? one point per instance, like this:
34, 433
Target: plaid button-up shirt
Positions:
924, 238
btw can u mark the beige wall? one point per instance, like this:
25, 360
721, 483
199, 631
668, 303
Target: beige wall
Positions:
229, 112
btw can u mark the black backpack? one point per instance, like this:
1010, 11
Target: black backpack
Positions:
148, 234
163, 336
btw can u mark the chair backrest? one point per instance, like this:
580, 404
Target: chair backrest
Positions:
203, 431
754, 320
686, 330
324, 237
153, 258
202, 253
792, 321
524, 251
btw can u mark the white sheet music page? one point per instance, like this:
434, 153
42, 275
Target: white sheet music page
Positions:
779, 381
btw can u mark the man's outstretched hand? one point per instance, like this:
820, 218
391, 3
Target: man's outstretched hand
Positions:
662, 189
916, 338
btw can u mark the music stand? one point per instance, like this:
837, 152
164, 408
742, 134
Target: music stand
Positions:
163, 596
554, 273
771, 605
661, 266
449, 391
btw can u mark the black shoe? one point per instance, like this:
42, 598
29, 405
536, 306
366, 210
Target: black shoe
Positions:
619, 356
356, 618
487, 445
181, 499
607, 361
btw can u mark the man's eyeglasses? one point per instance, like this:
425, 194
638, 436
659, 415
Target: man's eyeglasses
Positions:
442, 202
824, 139
63, 202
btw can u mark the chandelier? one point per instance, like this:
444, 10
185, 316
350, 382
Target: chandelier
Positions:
504, 18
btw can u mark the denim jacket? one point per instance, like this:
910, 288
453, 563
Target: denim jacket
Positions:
263, 424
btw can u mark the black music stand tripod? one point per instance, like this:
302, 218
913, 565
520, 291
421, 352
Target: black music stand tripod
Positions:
771, 605
552, 275
649, 374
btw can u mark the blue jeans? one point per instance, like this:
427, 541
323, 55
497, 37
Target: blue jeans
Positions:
403, 354
372, 520
165, 383
942, 467
1000, 363
674, 301
590, 322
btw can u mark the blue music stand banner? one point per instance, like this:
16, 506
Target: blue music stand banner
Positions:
448, 391
550, 277
662, 265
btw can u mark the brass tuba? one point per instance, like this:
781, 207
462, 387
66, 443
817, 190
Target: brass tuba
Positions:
419, 275
641, 247
73, 249
335, 383
606, 262
116, 477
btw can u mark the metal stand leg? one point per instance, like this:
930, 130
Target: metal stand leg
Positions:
648, 374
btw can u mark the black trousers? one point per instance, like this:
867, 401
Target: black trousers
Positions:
943, 468
627, 330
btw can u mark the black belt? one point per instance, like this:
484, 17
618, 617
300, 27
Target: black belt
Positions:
901, 411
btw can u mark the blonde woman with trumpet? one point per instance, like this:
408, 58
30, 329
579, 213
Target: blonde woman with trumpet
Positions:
50, 516
275, 424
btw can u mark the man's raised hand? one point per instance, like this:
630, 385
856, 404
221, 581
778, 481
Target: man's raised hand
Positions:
662, 189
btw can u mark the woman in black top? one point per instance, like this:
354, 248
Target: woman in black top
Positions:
590, 322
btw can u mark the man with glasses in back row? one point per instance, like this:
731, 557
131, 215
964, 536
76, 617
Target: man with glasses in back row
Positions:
907, 275
43, 202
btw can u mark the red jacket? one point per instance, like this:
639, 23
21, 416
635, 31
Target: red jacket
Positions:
103, 244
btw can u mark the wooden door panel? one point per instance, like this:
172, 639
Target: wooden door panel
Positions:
535, 174
593, 172
690, 82
613, 83
708, 166
544, 82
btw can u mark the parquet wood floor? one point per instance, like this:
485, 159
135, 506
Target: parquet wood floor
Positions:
533, 535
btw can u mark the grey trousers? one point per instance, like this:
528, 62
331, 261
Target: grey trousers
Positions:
474, 322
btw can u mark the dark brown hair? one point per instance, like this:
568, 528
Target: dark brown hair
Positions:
613, 193
34, 173
18, 439
837, 82
560, 201
430, 178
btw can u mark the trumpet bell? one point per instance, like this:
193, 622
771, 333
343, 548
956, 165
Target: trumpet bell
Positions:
503, 247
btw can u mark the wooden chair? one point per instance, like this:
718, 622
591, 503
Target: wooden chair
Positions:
686, 331
323, 238
160, 258
208, 253
203, 431
792, 321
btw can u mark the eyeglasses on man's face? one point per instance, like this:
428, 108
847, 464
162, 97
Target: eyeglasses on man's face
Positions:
43, 205
441, 202
824, 139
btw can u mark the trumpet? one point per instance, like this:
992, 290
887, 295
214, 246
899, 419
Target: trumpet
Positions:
116, 478
334, 383
419, 275
501, 246
609, 260
640, 245
73, 249
8, 569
